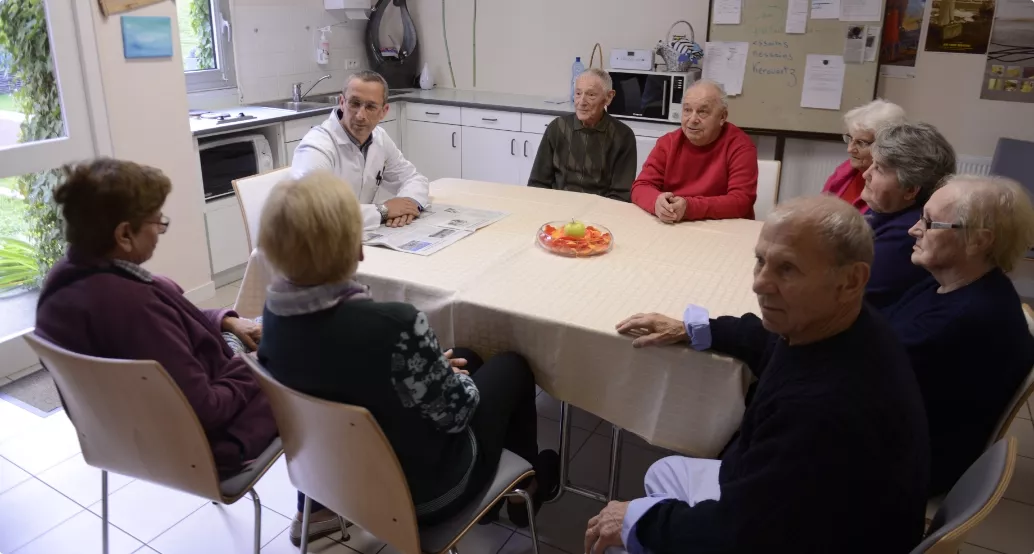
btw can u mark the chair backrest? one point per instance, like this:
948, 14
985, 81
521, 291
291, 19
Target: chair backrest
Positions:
768, 188
972, 498
132, 419
1020, 396
251, 195
338, 456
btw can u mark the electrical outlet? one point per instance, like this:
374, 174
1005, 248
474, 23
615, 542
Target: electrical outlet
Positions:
351, 64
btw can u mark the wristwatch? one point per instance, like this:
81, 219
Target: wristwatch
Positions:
383, 210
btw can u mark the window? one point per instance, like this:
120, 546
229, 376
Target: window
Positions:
205, 37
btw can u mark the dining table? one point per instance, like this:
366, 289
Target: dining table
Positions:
498, 290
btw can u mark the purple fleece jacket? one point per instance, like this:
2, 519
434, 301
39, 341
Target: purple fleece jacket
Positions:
113, 314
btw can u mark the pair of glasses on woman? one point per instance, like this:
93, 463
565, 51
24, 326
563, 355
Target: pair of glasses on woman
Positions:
162, 223
931, 224
848, 139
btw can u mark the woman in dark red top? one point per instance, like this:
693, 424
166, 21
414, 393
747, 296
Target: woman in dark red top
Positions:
861, 125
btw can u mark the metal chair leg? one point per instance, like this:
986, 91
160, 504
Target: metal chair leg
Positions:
615, 463
305, 525
104, 511
531, 518
258, 519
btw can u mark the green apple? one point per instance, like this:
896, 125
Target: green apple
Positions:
574, 229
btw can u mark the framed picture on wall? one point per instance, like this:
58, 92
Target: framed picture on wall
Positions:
146, 37
111, 7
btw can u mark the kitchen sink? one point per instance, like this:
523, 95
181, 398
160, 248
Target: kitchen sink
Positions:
294, 106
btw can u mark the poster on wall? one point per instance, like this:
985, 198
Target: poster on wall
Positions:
960, 26
110, 7
902, 25
1009, 72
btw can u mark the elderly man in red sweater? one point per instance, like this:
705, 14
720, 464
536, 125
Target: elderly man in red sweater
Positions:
708, 169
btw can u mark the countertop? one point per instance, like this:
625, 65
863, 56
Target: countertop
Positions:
446, 97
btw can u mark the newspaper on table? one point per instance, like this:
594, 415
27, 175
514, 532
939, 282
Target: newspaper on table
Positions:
437, 227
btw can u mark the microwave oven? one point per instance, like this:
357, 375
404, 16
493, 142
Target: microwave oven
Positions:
226, 159
650, 95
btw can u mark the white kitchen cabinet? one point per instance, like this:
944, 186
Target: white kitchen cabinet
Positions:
491, 155
529, 147
347, 4
435, 149
392, 128
643, 147
227, 238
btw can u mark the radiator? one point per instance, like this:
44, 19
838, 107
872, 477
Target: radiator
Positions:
973, 165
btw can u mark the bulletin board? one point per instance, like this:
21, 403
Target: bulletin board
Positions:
774, 77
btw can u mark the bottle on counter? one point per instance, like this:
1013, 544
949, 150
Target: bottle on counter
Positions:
577, 69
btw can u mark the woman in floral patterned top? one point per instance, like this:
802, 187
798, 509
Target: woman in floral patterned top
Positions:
447, 414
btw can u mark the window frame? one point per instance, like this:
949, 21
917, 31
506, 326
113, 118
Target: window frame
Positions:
224, 76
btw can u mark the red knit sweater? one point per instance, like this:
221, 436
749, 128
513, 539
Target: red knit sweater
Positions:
719, 181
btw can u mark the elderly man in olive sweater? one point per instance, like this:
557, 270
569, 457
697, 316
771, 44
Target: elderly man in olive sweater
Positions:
833, 453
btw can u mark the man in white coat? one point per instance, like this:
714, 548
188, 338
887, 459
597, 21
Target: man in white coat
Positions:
351, 145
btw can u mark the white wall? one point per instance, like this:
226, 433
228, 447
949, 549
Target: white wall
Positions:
275, 45
146, 103
528, 46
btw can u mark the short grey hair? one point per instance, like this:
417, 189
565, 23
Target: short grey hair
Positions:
874, 116
1000, 205
603, 76
718, 88
919, 155
368, 76
840, 225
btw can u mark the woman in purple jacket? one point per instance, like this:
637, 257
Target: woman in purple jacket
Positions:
99, 301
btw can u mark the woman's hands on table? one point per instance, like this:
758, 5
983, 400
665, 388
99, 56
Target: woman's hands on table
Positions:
653, 330
247, 330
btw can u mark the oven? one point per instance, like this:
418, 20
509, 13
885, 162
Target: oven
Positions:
226, 159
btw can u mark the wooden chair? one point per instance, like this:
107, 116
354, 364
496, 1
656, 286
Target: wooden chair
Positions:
338, 456
768, 188
133, 419
251, 195
971, 499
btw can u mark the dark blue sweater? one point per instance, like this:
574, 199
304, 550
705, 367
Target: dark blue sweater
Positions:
892, 270
832, 454
970, 350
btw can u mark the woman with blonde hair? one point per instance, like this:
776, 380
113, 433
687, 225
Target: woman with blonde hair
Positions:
447, 414
964, 327
861, 125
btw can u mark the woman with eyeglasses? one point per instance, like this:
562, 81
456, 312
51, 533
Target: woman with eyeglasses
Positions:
908, 161
99, 301
964, 327
862, 124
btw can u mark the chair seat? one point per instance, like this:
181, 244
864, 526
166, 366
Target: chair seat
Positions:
511, 469
235, 487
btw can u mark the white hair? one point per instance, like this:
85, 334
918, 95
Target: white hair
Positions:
719, 90
1000, 205
841, 227
603, 76
874, 116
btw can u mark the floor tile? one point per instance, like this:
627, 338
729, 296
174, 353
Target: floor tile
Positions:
81, 533
549, 407
11, 475
481, 539
224, 297
590, 467
80, 482
146, 510
1007, 529
45, 445
1023, 430
1024, 412
562, 524
29, 510
218, 529
521, 544
1021, 488
14, 420
634, 463
27, 371
276, 491
973, 549
281, 544
149, 550
362, 541
549, 436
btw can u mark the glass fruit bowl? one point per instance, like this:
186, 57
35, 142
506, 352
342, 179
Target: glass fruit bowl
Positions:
574, 239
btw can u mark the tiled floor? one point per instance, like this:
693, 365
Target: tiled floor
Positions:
49, 498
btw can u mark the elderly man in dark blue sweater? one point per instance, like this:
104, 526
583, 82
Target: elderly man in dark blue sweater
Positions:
832, 454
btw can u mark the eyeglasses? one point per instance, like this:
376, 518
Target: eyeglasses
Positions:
848, 139
930, 224
162, 223
370, 107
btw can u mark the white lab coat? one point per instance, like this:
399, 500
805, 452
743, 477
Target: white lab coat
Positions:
329, 147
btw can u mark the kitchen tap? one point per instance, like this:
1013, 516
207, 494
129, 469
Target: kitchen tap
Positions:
296, 89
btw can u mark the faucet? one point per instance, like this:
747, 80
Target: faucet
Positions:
296, 89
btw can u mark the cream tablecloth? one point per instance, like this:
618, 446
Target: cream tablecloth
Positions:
496, 290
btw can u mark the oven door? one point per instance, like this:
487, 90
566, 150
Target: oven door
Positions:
641, 95
225, 160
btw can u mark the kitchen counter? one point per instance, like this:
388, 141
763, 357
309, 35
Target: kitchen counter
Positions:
263, 116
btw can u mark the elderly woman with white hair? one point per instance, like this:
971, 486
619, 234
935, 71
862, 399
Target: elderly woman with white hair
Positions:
964, 327
908, 162
861, 124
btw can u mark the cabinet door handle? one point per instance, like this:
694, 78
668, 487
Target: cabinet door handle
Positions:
432, 113
513, 144
525, 149
454, 139
489, 119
